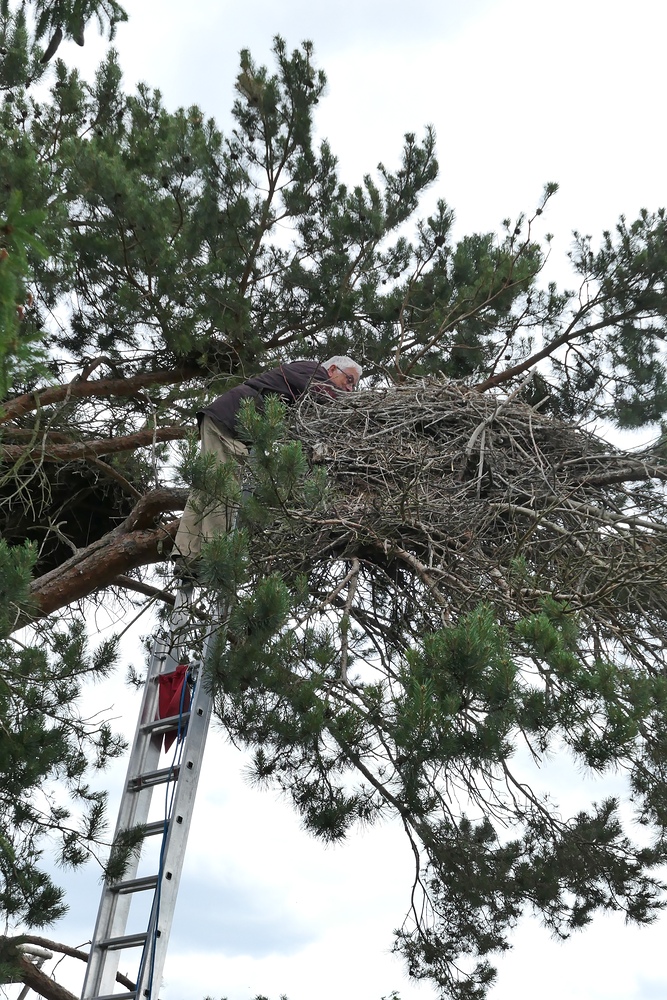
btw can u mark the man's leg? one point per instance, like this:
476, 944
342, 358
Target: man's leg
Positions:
205, 516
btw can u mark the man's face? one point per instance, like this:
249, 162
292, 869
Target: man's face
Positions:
343, 378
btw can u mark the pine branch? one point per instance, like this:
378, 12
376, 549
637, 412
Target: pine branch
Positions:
82, 450
631, 473
97, 567
571, 332
134, 543
144, 588
99, 388
42, 984
65, 949
152, 504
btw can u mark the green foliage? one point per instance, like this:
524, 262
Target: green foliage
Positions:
68, 18
49, 743
448, 721
162, 238
44, 741
16, 563
21, 355
126, 844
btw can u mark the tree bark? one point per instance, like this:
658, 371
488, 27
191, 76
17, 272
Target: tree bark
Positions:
47, 452
150, 506
65, 949
42, 984
31, 975
138, 541
99, 568
102, 388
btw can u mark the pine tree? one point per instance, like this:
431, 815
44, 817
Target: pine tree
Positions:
425, 575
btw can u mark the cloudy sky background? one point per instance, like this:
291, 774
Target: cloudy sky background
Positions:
520, 93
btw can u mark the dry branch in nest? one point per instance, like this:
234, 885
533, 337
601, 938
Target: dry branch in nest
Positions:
461, 497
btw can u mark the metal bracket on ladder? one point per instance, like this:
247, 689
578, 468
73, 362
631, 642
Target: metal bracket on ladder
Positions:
143, 776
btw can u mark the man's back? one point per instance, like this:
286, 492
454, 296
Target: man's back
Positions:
289, 381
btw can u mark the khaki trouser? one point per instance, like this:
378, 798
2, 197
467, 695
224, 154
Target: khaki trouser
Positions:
207, 517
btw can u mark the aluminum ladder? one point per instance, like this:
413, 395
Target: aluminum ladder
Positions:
180, 780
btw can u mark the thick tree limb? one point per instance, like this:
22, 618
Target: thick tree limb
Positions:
151, 505
101, 388
634, 472
47, 452
138, 541
42, 984
143, 516
98, 566
64, 949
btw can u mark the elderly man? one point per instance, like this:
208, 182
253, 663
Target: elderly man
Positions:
218, 434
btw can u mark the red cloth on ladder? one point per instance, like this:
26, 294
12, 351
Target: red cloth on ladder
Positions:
169, 697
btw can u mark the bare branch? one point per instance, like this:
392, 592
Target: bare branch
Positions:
144, 588
81, 450
100, 388
571, 332
64, 949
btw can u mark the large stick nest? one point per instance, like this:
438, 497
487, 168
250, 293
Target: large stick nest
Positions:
477, 497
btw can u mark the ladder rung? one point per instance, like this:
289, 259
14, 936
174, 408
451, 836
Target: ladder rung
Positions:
166, 725
135, 884
119, 996
153, 829
153, 778
127, 941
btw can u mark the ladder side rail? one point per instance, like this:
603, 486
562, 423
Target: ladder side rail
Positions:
173, 854
133, 811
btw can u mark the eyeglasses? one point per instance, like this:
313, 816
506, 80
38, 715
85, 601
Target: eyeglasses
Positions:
350, 379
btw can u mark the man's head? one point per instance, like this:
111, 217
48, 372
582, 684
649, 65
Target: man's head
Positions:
343, 372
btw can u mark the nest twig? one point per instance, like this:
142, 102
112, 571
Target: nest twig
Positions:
482, 498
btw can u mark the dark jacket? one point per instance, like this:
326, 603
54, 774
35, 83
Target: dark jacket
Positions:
290, 382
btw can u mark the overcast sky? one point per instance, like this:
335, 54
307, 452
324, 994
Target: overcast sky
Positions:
520, 92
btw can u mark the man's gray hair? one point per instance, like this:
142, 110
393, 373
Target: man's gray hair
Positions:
341, 361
